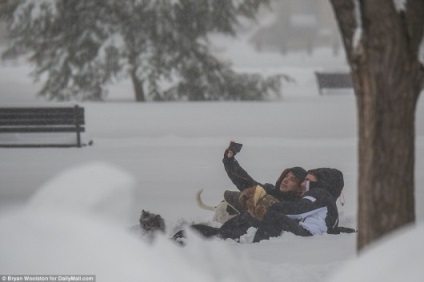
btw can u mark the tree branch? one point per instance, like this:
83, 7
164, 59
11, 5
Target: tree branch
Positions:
345, 15
414, 15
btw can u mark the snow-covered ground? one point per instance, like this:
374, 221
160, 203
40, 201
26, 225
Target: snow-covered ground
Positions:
66, 211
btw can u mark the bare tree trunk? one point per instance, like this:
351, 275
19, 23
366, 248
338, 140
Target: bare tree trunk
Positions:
386, 157
138, 86
387, 81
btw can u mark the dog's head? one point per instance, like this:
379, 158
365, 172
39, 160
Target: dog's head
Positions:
224, 212
256, 201
151, 222
250, 196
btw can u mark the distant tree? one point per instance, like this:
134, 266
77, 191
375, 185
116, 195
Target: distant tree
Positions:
382, 40
161, 45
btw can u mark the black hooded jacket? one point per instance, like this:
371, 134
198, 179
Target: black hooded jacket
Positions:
242, 180
329, 179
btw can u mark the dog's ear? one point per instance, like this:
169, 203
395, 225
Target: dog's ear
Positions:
260, 212
244, 197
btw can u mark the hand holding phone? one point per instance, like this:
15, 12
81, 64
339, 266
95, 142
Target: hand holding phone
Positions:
235, 147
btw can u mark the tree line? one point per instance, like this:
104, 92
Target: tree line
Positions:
162, 46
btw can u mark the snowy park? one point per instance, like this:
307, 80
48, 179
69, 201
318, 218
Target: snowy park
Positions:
70, 210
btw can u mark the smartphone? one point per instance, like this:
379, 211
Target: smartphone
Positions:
235, 147
307, 186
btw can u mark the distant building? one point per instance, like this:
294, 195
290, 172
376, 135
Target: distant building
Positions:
299, 25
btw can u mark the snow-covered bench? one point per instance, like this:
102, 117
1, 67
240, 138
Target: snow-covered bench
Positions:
34, 120
333, 80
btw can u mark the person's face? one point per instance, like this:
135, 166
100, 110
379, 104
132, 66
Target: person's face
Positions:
289, 183
309, 177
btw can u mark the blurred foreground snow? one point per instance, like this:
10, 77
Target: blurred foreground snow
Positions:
72, 226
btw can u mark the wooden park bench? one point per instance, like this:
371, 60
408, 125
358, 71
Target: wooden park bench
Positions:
333, 80
42, 120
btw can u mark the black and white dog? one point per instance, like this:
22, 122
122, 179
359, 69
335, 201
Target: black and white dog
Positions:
222, 212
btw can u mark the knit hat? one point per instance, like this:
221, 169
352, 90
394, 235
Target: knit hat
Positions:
329, 179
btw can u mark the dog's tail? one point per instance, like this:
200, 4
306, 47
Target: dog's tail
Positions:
200, 202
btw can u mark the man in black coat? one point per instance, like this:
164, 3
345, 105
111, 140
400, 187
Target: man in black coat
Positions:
286, 188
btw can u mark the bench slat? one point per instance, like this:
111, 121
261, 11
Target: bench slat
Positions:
36, 145
52, 110
41, 122
40, 129
40, 116
37, 114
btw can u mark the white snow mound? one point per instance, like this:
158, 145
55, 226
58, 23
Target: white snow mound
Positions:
95, 188
396, 258
46, 243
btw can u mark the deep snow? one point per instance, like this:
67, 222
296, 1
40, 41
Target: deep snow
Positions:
66, 211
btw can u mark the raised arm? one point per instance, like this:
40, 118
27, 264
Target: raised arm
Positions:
236, 173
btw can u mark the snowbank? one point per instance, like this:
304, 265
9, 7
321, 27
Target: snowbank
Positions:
395, 258
66, 229
96, 188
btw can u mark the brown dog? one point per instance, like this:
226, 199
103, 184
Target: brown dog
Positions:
256, 201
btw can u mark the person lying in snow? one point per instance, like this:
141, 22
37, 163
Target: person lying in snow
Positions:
254, 198
314, 213
286, 188
254, 202
249, 205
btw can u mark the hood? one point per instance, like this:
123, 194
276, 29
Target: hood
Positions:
300, 174
298, 171
329, 179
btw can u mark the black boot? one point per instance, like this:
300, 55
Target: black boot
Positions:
205, 230
237, 226
179, 237
260, 235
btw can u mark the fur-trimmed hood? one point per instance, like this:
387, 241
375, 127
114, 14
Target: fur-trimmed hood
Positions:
329, 179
